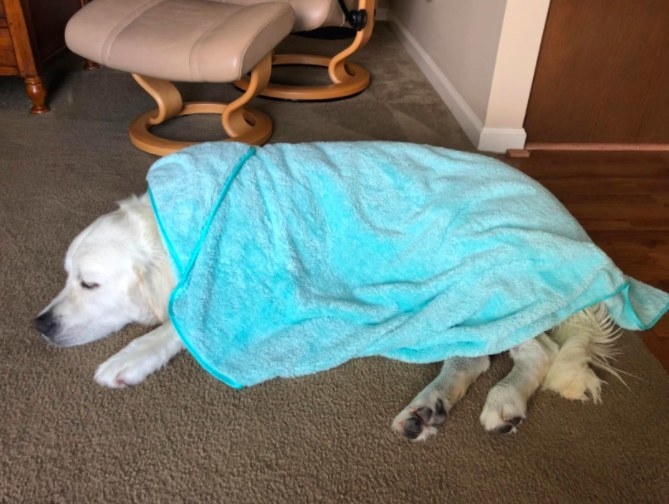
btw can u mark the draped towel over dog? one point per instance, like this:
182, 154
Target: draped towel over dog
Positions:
292, 259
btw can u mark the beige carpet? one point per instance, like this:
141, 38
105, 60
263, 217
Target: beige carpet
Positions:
182, 436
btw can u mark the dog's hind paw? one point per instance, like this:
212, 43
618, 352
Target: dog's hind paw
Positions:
419, 421
504, 410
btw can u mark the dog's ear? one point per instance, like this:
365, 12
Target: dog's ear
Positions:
154, 280
154, 286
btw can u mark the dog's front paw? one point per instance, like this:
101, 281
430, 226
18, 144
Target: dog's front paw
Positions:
504, 410
130, 366
421, 418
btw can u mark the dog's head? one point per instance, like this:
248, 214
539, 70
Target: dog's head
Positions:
117, 273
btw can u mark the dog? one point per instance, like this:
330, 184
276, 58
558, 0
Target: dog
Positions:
118, 272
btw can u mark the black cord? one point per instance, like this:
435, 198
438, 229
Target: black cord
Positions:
356, 18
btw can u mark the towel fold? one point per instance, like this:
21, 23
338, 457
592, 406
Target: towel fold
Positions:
294, 258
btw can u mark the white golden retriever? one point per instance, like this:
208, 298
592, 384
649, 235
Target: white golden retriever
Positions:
119, 273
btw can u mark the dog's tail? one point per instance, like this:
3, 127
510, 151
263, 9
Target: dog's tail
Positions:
586, 341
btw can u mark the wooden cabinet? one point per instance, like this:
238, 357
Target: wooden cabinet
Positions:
602, 75
31, 32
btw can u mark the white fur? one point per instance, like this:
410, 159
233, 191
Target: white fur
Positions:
560, 360
586, 340
119, 273
452, 383
506, 404
122, 257
139, 358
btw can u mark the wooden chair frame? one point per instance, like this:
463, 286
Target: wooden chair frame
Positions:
347, 79
241, 124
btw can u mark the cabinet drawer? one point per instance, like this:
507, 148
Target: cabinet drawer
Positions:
7, 57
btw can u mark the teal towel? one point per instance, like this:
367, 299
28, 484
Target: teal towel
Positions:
292, 259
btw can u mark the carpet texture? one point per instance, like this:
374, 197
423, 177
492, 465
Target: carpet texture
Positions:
182, 436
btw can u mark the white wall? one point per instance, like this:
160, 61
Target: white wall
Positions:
480, 56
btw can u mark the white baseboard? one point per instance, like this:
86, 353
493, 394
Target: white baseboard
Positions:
485, 139
501, 139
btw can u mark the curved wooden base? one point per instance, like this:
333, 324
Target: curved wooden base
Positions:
259, 128
353, 80
240, 123
347, 79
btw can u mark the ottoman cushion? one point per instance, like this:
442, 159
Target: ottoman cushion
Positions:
180, 40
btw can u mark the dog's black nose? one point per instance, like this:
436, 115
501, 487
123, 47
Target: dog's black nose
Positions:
45, 323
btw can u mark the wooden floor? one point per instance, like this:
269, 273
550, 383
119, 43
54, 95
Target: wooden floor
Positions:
622, 200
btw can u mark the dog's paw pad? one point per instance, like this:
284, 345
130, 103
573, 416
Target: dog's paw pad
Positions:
419, 422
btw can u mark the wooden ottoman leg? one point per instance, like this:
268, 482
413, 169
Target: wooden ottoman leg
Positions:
253, 126
169, 103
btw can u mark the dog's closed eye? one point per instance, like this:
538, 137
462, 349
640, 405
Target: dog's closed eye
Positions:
89, 286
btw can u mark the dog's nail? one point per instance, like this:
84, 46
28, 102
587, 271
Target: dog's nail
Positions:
504, 429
